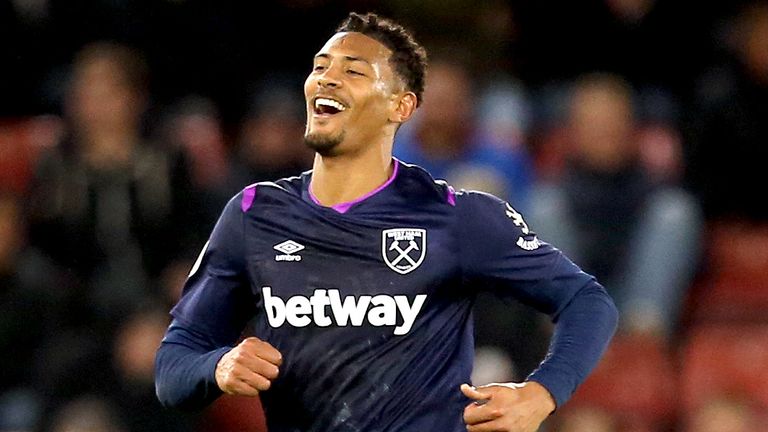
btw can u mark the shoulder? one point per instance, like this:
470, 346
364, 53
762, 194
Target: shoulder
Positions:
255, 198
475, 207
269, 191
417, 183
482, 215
477, 200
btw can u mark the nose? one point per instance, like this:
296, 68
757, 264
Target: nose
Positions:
329, 79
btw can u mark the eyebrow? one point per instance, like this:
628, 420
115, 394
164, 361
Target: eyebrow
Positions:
347, 58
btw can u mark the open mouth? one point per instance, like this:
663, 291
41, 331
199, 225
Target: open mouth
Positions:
328, 106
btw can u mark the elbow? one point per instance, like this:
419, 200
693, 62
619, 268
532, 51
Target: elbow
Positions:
594, 301
179, 404
170, 387
166, 397
603, 306
172, 400
166, 392
184, 379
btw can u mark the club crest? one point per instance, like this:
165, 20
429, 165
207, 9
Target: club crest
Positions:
403, 249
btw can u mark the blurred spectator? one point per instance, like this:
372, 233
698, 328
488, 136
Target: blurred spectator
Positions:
728, 129
18, 299
19, 411
71, 363
105, 204
270, 144
25, 301
134, 364
193, 127
171, 282
112, 210
87, 414
637, 235
504, 112
446, 139
120, 373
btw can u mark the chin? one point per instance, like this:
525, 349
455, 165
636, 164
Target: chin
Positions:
324, 144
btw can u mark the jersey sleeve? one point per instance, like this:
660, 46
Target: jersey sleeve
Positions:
216, 300
214, 308
502, 254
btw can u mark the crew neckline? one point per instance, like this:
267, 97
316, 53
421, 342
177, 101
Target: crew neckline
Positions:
345, 206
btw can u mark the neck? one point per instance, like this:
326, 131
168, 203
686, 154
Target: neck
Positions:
344, 178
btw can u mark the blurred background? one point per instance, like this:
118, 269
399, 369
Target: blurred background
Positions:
632, 134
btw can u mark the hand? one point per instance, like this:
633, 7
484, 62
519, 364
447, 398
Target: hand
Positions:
507, 407
248, 368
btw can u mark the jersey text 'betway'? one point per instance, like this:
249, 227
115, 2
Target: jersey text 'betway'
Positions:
325, 307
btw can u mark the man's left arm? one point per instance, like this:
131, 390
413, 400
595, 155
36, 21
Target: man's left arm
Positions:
502, 254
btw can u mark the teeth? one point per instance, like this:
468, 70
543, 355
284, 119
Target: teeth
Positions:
330, 103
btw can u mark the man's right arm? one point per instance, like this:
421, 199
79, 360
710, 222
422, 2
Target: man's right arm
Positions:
185, 368
215, 306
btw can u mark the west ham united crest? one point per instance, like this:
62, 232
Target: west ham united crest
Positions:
403, 249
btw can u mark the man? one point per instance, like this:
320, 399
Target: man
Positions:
637, 234
359, 276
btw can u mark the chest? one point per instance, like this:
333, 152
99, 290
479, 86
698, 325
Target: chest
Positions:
299, 252
321, 278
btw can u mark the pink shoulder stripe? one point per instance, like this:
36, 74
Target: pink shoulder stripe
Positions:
249, 194
451, 196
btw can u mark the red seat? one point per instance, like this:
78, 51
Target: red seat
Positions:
15, 166
735, 287
635, 379
20, 144
725, 360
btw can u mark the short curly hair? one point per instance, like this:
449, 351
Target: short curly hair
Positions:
409, 58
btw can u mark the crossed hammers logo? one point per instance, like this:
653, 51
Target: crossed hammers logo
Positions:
404, 259
403, 253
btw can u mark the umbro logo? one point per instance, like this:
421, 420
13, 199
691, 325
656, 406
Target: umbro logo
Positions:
288, 249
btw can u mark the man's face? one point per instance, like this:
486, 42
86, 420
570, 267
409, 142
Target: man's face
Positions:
100, 97
602, 127
350, 94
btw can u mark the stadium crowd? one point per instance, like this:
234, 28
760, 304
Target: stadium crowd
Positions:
631, 133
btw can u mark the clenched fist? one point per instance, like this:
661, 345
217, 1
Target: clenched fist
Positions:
248, 368
507, 407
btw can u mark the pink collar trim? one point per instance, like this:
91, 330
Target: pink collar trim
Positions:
344, 207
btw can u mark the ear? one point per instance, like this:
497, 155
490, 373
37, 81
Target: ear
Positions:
404, 108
